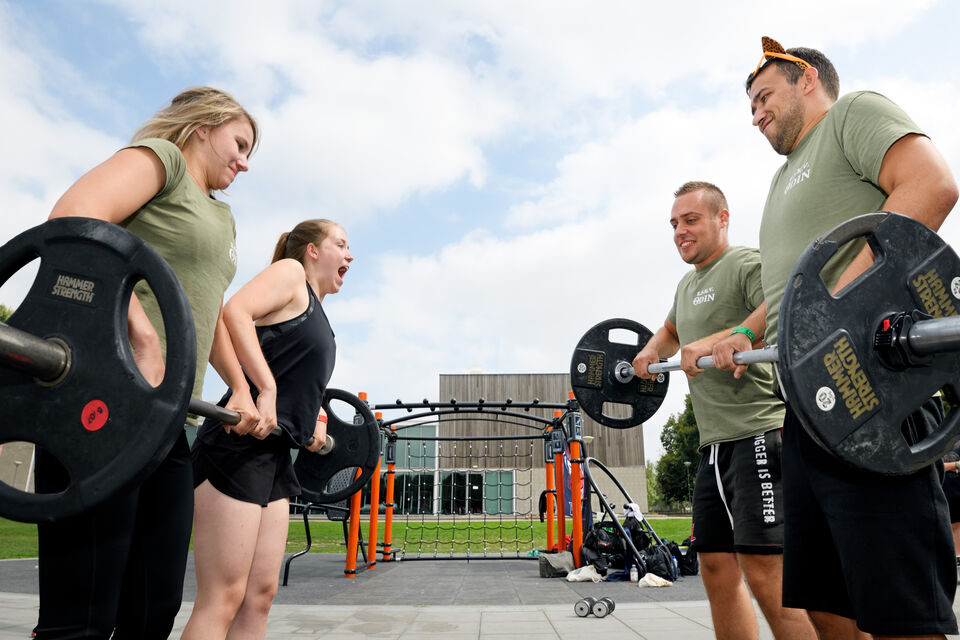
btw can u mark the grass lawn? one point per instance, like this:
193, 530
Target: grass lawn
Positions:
676, 529
19, 540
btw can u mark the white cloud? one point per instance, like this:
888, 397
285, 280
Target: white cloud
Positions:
45, 146
375, 133
385, 101
340, 128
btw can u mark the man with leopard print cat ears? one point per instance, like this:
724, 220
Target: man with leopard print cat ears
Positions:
863, 552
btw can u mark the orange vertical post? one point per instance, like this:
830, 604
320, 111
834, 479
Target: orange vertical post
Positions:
561, 499
551, 496
372, 531
374, 511
353, 536
388, 518
576, 491
576, 481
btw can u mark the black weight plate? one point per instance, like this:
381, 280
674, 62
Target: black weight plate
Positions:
848, 400
592, 375
102, 421
325, 479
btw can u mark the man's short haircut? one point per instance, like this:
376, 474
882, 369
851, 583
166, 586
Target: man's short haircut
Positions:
825, 70
711, 193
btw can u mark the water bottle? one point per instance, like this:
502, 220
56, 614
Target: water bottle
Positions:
634, 574
676, 568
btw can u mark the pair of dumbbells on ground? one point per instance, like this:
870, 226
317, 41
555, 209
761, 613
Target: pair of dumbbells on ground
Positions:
600, 608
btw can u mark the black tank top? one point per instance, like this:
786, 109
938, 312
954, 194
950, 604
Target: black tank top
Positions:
301, 353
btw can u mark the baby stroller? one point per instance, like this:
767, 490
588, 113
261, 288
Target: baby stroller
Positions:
643, 546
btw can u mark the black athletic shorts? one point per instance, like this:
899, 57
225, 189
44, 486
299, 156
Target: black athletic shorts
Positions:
874, 548
737, 499
951, 483
242, 467
951, 489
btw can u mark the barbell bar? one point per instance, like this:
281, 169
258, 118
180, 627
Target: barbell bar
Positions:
48, 360
78, 394
923, 338
936, 335
226, 416
856, 366
753, 356
21, 351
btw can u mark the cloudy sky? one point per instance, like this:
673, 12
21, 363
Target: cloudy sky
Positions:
504, 170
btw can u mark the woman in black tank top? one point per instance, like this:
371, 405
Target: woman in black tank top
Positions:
244, 481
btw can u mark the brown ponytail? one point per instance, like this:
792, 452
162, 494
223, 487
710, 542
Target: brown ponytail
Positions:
293, 244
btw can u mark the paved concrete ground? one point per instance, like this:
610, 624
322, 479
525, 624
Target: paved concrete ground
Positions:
431, 599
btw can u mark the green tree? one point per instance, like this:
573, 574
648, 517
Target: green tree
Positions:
5, 312
680, 441
653, 490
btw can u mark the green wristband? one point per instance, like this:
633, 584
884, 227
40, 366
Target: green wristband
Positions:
745, 331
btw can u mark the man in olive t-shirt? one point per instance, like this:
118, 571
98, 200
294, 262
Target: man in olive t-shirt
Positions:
737, 502
863, 552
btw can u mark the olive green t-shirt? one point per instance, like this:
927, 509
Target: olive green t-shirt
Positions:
829, 178
719, 296
196, 235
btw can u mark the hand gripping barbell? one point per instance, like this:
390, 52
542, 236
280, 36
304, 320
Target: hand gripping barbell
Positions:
853, 366
68, 382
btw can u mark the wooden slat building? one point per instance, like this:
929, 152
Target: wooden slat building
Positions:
621, 450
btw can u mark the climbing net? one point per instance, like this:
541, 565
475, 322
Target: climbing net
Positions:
466, 496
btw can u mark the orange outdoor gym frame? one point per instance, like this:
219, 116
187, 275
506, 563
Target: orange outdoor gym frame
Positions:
556, 496
555, 507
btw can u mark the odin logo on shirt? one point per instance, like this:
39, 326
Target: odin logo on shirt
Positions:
801, 174
704, 295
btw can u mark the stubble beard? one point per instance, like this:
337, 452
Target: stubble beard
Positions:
791, 123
